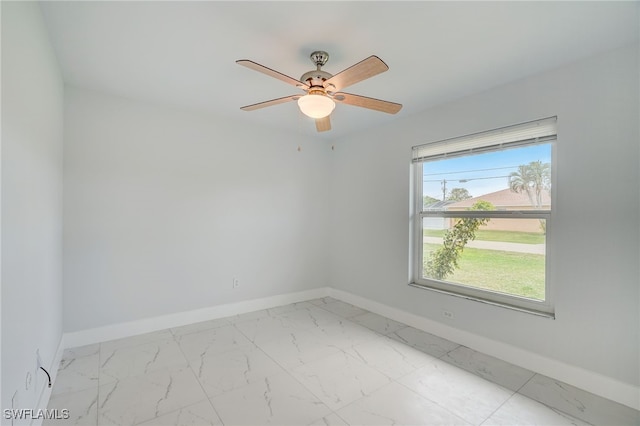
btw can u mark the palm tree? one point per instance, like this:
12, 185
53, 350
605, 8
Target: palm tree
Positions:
533, 178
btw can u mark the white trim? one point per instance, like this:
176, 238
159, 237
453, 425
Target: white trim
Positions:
598, 384
147, 325
45, 393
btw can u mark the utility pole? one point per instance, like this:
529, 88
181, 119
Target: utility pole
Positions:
444, 189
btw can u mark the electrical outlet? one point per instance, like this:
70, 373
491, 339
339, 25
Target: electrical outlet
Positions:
236, 283
448, 314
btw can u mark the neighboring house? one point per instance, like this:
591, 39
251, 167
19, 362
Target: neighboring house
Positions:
506, 199
436, 222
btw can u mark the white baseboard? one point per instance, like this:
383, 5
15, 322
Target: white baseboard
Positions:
147, 325
589, 381
45, 393
595, 383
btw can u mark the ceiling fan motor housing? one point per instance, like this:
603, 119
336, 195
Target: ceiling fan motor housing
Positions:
317, 77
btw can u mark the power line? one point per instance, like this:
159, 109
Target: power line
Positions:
467, 171
465, 180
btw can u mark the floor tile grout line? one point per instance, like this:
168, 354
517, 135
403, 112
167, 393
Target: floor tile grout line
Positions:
188, 364
140, 374
448, 352
397, 381
513, 393
440, 358
335, 413
230, 349
286, 370
197, 331
525, 383
197, 380
556, 409
342, 316
118, 380
288, 373
271, 316
425, 397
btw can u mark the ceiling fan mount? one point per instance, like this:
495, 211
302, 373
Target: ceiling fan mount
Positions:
317, 77
319, 58
322, 88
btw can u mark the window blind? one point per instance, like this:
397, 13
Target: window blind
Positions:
531, 132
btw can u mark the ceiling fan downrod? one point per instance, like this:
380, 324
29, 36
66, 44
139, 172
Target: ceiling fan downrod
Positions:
317, 77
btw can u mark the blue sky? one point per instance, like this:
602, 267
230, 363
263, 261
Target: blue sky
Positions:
484, 173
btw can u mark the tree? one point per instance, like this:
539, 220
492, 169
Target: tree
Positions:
442, 262
427, 200
459, 194
533, 178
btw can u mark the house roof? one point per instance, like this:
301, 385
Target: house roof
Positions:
438, 205
503, 198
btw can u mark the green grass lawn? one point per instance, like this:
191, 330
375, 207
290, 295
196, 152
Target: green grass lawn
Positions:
520, 274
491, 235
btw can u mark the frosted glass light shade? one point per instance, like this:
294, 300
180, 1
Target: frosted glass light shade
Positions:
315, 105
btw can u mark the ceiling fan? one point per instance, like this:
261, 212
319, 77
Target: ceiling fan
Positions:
323, 89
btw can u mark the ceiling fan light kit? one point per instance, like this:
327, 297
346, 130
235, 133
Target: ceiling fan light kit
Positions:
316, 105
323, 88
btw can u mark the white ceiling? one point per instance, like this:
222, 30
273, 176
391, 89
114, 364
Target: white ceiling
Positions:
183, 53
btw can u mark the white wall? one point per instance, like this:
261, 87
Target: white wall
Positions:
164, 207
595, 239
32, 117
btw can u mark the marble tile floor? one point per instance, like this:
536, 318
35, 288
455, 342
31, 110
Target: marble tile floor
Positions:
321, 362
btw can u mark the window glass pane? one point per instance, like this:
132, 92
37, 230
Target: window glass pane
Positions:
510, 179
506, 256
499, 253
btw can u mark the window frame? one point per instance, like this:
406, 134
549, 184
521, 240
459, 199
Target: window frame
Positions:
545, 308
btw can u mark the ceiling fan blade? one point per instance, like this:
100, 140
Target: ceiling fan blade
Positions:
272, 73
323, 124
370, 103
356, 73
270, 103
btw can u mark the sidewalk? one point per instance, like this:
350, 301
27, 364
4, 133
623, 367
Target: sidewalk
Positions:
497, 245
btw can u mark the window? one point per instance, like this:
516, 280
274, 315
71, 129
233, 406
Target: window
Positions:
483, 215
